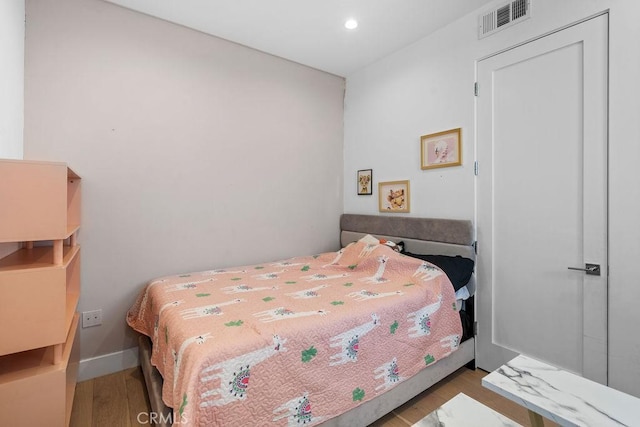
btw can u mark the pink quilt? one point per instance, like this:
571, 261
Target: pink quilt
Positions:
295, 342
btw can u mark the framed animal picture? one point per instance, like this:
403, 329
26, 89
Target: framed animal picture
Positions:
365, 182
393, 196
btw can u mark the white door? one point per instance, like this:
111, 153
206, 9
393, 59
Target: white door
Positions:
542, 201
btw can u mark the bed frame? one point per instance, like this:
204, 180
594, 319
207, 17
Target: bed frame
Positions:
420, 235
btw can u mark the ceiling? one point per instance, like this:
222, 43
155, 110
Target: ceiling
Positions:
312, 32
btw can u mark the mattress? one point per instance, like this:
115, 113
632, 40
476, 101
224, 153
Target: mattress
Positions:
298, 341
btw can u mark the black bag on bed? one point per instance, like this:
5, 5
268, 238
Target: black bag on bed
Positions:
457, 268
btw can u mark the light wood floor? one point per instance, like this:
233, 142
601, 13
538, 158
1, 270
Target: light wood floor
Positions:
116, 400
112, 400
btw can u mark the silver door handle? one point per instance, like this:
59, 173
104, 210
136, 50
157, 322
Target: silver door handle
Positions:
590, 269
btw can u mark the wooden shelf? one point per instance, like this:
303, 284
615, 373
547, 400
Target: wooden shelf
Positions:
71, 229
44, 200
39, 291
36, 391
43, 297
36, 258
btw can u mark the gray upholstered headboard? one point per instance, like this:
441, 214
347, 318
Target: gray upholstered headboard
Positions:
421, 235
432, 236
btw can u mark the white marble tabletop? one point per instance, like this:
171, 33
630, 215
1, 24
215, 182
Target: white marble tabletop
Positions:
566, 398
463, 411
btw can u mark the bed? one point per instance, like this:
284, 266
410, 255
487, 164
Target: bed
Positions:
399, 330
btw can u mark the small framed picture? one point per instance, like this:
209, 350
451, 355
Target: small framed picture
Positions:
365, 182
441, 150
393, 196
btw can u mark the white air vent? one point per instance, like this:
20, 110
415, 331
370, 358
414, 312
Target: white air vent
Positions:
503, 16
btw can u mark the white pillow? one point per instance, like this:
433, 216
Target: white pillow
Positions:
370, 240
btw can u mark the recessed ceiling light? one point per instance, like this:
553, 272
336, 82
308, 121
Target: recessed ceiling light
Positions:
351, 24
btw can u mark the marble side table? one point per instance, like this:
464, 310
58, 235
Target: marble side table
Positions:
463, 411
561, 396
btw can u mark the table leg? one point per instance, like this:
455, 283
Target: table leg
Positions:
535, 419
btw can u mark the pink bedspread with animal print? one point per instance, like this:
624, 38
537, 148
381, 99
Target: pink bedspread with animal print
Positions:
298, 341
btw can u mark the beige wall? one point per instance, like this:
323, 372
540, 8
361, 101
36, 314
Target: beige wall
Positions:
194, 152
428, 87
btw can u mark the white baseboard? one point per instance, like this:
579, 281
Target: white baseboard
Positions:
108, 364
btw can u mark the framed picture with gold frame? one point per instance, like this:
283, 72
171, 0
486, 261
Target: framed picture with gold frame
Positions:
393, 196
441, 150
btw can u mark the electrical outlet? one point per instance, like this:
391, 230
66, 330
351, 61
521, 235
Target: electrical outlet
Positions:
91, 318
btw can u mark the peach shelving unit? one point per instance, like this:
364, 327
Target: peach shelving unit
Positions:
39, 291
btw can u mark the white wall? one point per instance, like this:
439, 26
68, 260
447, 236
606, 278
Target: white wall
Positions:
11, 86
11, 78
427, 87
194, 152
